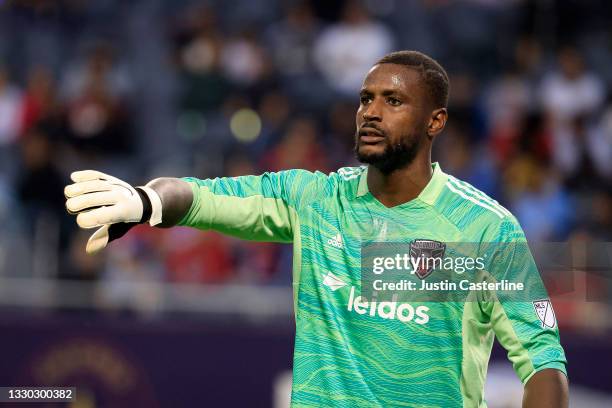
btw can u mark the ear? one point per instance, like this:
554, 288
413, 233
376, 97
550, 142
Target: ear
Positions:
437, 121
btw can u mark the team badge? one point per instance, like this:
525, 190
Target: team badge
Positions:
425, 251
545, 312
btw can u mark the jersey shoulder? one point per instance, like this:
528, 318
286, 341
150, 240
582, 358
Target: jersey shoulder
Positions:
307, 187
345, 174
345, 181
476, 214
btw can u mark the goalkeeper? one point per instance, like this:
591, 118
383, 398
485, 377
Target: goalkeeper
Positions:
348, 352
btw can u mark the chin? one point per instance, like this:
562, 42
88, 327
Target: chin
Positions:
369, 154
370, 150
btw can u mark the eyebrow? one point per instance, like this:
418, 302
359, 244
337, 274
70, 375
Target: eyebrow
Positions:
386, 92
389, 92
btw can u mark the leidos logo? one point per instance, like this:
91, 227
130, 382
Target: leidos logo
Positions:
404, 312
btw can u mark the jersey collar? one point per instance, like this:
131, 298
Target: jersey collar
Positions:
428, 195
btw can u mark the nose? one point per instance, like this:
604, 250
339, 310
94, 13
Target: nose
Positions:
372, 112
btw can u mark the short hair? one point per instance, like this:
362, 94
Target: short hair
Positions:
431, 71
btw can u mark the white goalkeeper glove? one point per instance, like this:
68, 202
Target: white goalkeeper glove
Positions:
104, 201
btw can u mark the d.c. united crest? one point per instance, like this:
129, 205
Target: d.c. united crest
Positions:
423, 252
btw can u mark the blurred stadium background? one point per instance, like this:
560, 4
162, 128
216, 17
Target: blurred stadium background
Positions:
208, 88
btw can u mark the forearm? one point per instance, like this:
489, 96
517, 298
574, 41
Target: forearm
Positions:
176, 197
546, 389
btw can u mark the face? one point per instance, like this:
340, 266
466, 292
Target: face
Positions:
395, 118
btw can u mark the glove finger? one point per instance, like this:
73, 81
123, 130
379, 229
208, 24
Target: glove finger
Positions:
84, 187
89, 175
98, 240
91, 200
99, 217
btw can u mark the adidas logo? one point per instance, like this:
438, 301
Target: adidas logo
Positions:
336, 241
333, 282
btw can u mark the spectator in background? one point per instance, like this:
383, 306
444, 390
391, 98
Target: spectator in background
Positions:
339, 142
473, 164
209, 152
40, 102
533, 186
10, 109
99, 68
39, 187
598, 216
198, 258
290, 42
580, 144
511, 99
244, 60
345, 51
463, 104
299, 148
291, 39
97, 95
199, 46
40, 184
274, 109
572, 90
10, 123
582, 151
539, 201
507, 102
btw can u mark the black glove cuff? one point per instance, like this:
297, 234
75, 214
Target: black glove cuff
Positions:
147, 209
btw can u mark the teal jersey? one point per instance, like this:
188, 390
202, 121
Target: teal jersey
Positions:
348, 354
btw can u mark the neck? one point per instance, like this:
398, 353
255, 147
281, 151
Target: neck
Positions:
401, 185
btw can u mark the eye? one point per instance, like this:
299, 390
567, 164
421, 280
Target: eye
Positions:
365, 99
394, 102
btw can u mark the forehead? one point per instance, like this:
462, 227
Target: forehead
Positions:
393, 77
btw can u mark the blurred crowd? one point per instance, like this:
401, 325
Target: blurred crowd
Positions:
213, 88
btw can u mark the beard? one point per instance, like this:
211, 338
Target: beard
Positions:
393, 157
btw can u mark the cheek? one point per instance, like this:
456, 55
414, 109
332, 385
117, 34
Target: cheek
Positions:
409, 121
358, 115
403, 123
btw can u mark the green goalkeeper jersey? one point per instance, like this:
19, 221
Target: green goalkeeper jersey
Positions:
351, 353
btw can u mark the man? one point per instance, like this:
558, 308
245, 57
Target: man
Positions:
348, 351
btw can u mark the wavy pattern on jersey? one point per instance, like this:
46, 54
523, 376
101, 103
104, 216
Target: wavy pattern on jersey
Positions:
387, 359
345, 359
396, 365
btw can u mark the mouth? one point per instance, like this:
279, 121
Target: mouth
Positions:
370, 135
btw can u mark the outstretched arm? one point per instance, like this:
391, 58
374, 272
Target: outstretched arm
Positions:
546, 389
260, 208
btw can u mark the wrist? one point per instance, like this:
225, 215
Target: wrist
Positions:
151, 206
